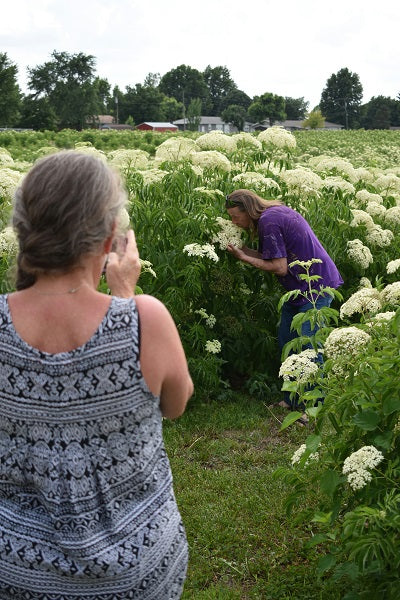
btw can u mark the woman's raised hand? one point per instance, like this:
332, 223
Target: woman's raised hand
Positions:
123, 266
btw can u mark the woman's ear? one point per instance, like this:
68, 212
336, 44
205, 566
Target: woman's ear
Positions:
108, 242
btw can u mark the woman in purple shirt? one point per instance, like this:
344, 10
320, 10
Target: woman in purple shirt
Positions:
284, 236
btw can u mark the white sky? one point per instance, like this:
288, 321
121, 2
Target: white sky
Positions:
288, 48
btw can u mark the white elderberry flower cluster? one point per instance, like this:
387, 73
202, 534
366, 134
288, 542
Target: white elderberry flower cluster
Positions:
87, 148
217, 140
357, 464
211, 159
314, 456
229, 234
337, 183
364, 197
278, 137
175, 149
299, 367
329, 164
209, 319
9, 180
381, 319
244, 139
393, 266
123, 221
358, 253
151, 176
379, 237
362, 174
388, 183
366, 300
213, 346
207, 192
305, 264
254, 179
207, 250
8, 242
129, 159
6, 160
361, 217
365, 283
375, 210
345, 342
246, 291
147, 267
392, 216
391, 294
302, 179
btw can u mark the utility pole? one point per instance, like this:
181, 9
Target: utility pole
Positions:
184, 113
116, 106
346, 116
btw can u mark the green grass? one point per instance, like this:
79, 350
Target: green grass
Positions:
241, 543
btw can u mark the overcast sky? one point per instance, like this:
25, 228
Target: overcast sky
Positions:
288, 48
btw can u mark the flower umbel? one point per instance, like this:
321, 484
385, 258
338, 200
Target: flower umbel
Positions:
213, 346
355, 466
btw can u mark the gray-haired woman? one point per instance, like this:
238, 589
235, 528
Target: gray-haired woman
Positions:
87, 508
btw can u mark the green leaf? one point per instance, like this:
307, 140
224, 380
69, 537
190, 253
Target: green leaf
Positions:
390, 405
289, 386
321, 517
290, 419
325, 563
384, 440
367, 420
312, 442
329, 482
318, 538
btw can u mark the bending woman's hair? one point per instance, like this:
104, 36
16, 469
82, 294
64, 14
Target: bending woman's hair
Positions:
63, 210
249, 202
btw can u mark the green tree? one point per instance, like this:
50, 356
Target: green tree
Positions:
103, 92
171, 109
10, 94
341, 98
296, 108
220, 84
67, 81
37, 113
236, 97
377, 113
115, 102
314, 120
143, 103
184, 84
193, 114
268, 106
236, 115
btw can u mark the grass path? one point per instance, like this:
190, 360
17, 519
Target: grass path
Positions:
242, 545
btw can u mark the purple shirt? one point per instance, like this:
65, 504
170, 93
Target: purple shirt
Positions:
284, 233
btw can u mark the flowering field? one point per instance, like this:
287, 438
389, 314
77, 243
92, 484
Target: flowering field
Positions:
347, 185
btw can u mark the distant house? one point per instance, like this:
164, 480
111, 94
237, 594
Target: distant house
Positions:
294, 125
151, 126
212, 124
116, 126
101, 120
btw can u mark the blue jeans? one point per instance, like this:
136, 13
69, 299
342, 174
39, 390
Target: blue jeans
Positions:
285, 334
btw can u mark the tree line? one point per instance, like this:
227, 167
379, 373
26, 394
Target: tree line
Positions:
65, 92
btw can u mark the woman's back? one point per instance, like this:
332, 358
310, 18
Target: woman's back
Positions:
87, 508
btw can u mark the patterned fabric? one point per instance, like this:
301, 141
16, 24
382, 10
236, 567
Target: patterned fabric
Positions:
87, 508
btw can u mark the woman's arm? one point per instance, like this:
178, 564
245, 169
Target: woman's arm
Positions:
162, 358
278, 266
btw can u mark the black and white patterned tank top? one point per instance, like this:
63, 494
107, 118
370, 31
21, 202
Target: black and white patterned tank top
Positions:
87, 508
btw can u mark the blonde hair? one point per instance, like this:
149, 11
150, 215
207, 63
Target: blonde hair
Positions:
249, 202
64, 209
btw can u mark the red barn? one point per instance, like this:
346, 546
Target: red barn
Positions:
150, 126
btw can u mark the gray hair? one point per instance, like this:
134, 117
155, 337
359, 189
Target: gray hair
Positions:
64, 210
